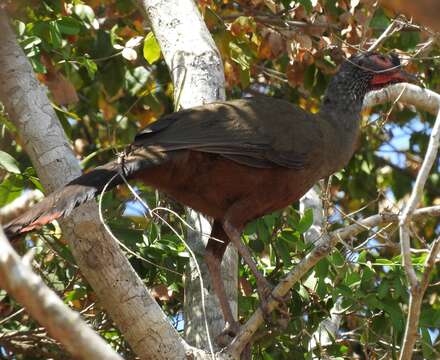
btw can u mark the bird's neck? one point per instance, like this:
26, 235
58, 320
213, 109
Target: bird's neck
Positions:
340, 112
342, 103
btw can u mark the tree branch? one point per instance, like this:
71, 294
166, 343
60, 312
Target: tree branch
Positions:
197, 72
410, 94
62, 323
121, 292
417, 289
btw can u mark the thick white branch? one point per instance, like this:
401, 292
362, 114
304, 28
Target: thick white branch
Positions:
410, 94
122, 293
62, 323
197, 72
429, 101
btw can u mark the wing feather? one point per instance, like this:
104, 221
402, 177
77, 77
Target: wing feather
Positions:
246, 131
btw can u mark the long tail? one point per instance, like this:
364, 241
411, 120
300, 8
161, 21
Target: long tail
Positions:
61, 202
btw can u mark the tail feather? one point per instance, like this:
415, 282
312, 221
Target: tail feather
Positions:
82, 189
61, 202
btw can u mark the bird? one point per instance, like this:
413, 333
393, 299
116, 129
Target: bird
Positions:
235, 160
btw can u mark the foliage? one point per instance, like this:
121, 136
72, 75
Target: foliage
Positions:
107, 80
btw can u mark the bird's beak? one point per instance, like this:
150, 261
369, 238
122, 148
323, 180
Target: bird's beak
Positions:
392, 77
403, 76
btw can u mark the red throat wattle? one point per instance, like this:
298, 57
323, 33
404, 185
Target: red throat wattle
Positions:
389, 77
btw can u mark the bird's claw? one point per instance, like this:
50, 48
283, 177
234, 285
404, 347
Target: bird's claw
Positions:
229, 332
265, 293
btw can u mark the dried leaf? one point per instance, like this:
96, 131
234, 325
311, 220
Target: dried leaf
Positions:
62, 90
271, 46
304, 41
245, 286
295, 73
108, 111
243, 25
161, 292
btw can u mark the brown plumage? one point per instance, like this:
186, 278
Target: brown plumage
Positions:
236, 160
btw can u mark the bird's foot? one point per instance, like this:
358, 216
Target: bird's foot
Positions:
229, 332
264, 289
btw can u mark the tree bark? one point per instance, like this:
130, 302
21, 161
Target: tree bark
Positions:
197, 73
62, 323
119, 289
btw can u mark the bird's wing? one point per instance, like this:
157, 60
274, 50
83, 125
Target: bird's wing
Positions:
258, 132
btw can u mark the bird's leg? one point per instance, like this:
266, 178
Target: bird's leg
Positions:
213, 257
263, 286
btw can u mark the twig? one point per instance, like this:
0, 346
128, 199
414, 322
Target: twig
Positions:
385, 35
62, 323
417, 289
323, 249
153, 212
10, 317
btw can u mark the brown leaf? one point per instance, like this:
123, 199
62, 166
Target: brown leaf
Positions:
304, 41
295, 73
62, 90
108, 111
271, 46
245, 286
161, 292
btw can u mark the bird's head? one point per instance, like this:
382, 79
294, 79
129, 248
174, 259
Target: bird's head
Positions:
376, 70
357, 76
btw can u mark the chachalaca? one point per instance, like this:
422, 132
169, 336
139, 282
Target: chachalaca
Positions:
236, 160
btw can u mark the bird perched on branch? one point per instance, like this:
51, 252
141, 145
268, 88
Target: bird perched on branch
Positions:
235, 160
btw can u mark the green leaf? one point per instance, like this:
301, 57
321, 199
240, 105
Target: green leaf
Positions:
305, 222
383, 289
395, 314
283, 252
337, 259
76, 294
379, 21
30, 42
151, 48
385, 262
37, 65
55, 35
10, 189
263, 231
69, 25
427, 344
8, 163
321, 268
307, 5
409, 40
362, 258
